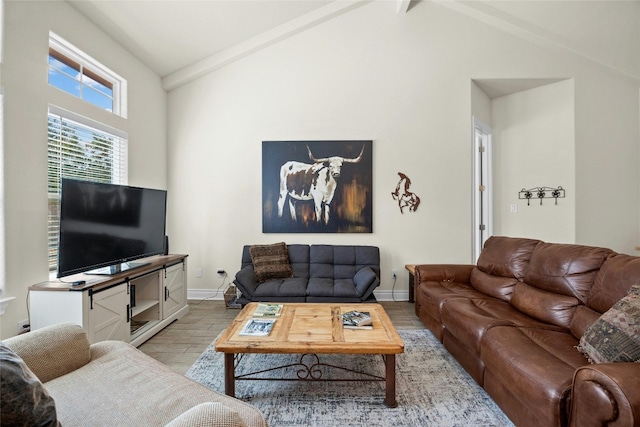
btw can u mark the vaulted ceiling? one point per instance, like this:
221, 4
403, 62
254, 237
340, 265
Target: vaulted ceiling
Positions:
183, 39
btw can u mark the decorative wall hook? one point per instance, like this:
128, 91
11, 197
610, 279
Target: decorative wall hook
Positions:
542, 193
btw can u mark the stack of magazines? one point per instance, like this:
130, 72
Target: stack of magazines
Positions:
357, 320
263, 319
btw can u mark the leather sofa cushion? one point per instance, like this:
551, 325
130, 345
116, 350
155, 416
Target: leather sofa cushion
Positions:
545, 306
613, 281
536, 366
582, 319
495, 286
506, 256
469, 319
565, 269
435, 294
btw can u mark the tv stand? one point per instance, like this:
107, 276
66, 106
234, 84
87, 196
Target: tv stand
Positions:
116, 268
130, 306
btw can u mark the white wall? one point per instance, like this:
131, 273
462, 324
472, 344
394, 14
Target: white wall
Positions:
27, 94
534, 146
404, 81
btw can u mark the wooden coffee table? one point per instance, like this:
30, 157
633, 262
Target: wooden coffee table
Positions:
312, 328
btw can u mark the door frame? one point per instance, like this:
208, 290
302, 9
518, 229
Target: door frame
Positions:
482, 189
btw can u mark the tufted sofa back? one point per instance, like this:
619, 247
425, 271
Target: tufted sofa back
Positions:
327, 261
567, 285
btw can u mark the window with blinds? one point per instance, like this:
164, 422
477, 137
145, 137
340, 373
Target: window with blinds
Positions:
79, 148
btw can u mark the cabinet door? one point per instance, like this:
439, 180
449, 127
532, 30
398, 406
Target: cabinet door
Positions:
175, 291
108, 318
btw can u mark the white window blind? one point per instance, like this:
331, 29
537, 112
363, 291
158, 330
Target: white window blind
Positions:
80, 148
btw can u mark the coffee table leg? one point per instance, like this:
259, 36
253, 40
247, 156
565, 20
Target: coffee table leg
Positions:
229, 375
390, 367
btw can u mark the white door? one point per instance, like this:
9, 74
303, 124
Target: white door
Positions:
482, 186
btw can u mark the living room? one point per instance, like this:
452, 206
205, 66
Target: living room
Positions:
558, 83
410, 81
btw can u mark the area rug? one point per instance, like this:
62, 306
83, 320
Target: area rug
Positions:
432, 389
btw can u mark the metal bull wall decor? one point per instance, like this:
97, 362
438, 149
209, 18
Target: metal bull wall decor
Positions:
316, 186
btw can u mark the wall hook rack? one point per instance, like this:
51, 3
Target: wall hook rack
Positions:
541, 193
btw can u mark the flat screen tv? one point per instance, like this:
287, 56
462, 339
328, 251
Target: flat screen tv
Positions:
103, 227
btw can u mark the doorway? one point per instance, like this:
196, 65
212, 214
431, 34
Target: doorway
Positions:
482, 186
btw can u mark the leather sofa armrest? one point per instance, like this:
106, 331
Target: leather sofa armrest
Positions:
52, 351
247, 281
460, 273
606, 394
208, 414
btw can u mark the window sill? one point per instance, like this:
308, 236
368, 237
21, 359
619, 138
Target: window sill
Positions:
4, 302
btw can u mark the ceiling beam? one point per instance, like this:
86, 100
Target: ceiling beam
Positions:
403, 6
259, 42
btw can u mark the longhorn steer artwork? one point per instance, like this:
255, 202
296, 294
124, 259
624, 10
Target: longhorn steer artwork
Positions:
317, 182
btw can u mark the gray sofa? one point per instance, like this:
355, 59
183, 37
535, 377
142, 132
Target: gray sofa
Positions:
321, 273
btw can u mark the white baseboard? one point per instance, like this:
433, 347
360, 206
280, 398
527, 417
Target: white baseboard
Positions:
212, 294
202, 294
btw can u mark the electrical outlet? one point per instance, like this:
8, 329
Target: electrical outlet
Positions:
394, 273
221, 272
198, 272
23, 326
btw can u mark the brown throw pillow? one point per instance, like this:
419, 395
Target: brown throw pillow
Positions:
271, 261
615, 336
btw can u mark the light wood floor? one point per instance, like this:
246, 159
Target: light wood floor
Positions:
182, 342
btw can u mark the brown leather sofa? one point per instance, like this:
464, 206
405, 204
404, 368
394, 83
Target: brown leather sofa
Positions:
514, 322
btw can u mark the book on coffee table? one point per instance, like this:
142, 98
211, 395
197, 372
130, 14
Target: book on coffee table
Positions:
267, 310
357, 320
258, 327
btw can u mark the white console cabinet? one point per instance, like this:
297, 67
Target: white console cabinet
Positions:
131, 306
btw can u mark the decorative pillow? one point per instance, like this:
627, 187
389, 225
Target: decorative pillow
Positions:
25, 402
615, 336
271, 261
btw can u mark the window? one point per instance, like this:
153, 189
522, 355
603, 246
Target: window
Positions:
78, 74
80, 148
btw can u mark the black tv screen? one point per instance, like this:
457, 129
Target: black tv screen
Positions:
105, 226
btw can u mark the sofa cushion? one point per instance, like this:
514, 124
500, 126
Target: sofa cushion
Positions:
365, 281
506, 256
52, 351
469, 319
25, 402
342, 262
271, 261
615, 336
208, 414
565, 269
126, 387
535, 365
284, 288
545, 306
613, 281
495, 286
332, 288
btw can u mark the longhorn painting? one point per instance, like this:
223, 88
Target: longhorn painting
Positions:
316, 187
